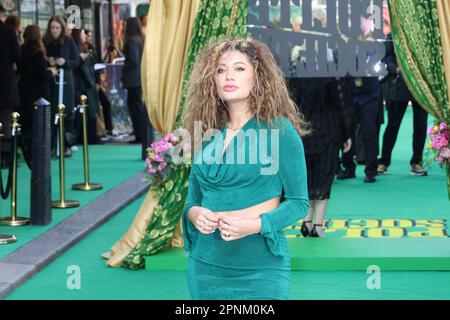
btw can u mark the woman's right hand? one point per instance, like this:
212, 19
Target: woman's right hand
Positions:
54, 71
204, 220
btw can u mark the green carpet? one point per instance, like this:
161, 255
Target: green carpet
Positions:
340, 254
396, 196
109, 165
100, 282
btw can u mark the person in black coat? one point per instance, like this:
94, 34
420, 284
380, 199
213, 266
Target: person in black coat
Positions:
35, 76
9, 94
13, 22
85, 84
131, 76
397, 98
63, 54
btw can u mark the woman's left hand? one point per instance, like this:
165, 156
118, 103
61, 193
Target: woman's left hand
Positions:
233, 227
347, 146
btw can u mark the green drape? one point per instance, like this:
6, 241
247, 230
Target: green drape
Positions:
417, 39
416, 36
214, 19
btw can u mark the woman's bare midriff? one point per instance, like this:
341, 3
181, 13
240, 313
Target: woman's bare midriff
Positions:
256, 210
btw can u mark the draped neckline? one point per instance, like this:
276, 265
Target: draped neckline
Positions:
224, 133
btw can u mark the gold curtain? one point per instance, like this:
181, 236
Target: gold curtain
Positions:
167, 38
135, 233
443, 8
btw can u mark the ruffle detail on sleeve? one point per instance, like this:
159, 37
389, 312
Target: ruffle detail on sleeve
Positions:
190, 233
276, 241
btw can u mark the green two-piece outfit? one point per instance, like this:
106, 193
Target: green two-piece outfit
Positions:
256, 266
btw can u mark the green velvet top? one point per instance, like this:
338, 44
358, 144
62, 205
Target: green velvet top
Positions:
261, 162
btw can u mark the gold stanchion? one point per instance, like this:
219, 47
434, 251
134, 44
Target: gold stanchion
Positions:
62, 203
14, 220
5, 239
86, 186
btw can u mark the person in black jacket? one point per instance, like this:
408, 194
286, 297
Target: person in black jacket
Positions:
9, 94
397, 98
90, 44
63, 53
35, 76
366, 92
131, 76
86, 85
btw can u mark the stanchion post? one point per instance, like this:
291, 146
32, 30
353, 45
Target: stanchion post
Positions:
5, 239
62, 203
86, 186
14, 220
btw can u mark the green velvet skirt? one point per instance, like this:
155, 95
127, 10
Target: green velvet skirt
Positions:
212, 282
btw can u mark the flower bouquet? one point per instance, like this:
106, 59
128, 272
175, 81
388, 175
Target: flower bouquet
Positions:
159, 161
439, 147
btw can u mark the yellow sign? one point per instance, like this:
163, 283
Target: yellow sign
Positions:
377, 228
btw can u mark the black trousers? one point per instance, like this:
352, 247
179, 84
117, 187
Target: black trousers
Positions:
367, 115
137, 113
106, 104
396, 110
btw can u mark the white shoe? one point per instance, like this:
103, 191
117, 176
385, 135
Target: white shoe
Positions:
74, 148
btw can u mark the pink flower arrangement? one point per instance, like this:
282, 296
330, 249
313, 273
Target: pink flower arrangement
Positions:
439, 143
158, 161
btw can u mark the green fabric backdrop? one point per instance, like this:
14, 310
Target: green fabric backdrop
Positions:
416, 36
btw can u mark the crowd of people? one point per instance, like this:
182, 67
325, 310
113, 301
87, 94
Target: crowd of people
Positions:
346, 115
31, 66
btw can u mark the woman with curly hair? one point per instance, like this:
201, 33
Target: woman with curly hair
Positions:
248, 176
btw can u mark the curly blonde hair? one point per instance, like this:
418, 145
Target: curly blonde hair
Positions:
269, 97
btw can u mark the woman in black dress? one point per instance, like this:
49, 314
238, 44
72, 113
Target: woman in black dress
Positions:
63, 54
328, 106
35, 76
